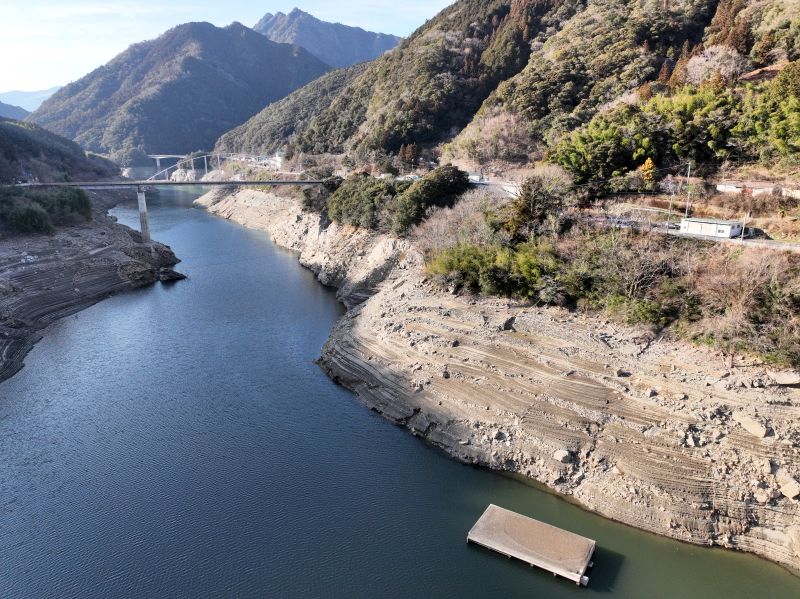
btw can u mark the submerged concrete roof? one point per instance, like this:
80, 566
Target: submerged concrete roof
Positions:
556, 550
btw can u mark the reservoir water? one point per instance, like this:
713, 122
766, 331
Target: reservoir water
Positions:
179, 441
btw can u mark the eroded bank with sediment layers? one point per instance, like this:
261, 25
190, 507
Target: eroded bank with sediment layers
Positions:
658, 434
47, 277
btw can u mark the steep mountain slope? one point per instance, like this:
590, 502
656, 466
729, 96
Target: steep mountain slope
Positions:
608, 51
507, 79
335, 44
288, 118
431, 85
29, 152
30, 101
9, 111
178, 93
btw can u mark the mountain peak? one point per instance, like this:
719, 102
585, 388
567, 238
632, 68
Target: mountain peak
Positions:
177, 93
335, 44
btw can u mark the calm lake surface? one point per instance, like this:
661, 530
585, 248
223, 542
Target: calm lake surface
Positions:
180, 442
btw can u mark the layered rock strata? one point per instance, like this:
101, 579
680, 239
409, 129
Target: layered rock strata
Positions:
658, 434
47, 277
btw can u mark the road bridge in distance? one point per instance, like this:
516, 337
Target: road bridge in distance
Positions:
142, 186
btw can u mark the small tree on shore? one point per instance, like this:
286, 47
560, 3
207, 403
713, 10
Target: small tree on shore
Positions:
542, 198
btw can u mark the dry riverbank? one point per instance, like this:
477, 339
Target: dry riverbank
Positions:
47, 277
656, 434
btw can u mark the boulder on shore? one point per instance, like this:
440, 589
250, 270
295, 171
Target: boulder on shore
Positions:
751, 424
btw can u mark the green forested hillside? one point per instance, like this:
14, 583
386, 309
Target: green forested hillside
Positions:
29, 152
432, 84
609, 50
510, 79
283, 121
178, 93
705, 125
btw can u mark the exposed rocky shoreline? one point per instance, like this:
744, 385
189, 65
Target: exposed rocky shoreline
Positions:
658, 434
47, 277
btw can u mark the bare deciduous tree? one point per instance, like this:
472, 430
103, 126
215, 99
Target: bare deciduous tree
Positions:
467, 222
716, 59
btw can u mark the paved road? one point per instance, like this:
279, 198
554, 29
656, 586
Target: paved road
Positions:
771, 244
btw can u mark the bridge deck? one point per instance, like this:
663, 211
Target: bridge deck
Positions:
141, 184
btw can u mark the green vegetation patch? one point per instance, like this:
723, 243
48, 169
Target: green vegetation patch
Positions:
737, 301
705, 124
387, 204
40, 211
534, 249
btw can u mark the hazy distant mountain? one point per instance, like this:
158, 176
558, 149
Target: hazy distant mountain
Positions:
10, 111
178, 93
30, 101
336, 44
27, 151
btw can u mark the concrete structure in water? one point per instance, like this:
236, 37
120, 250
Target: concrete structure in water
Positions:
711, 227
143, 220
556, 550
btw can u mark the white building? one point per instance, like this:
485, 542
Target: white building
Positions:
711, 227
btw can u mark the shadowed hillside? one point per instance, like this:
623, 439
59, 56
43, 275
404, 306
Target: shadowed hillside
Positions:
10, 111
178, 93
29, 152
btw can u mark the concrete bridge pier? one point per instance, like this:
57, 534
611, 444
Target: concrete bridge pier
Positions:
144, 222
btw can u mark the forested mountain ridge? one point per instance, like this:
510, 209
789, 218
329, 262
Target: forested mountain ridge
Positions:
29, 152
9, 111
431, 84
268, 131
177, 93
335, 44
508, 79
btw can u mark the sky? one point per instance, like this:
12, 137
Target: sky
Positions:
45, 43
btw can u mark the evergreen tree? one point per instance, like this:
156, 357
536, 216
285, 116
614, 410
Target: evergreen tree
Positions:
664, 73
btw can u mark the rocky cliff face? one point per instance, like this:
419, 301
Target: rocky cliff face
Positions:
656, 434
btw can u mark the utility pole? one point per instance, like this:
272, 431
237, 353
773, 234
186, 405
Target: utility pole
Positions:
744, 224
671, 200
688, 189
